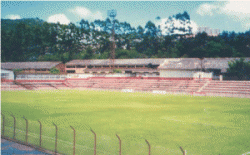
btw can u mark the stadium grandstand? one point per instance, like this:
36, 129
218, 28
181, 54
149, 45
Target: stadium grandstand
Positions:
164, 67
165, 75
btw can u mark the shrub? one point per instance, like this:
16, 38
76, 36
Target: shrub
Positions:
54, 71
117, 71
239, 68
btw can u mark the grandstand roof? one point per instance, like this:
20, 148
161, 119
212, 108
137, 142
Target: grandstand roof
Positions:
29, 65
117, 62
181, 63
195, 63
219, 63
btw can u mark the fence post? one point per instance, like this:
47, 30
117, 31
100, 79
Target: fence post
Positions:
3, 122
56, 139
74, 141
26, 130
94, 141
148, 146
183, 151
14, 137
40, 133
120, 144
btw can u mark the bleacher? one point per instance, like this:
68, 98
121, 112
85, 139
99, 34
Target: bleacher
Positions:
47, 85
27, 85
228, 87
217, 88
6, 86
139, 84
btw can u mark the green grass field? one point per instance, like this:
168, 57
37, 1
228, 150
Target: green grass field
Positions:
201, 125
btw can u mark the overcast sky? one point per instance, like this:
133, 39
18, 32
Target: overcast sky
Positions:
223, 15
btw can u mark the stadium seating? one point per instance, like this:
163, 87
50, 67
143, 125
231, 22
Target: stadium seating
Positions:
34, 85
138, 84
228, 87
11, 86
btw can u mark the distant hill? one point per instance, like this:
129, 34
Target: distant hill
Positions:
9, 24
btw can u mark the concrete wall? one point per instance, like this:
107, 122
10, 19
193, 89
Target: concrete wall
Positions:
79, 75
71, 76
117, 75
185, 74
40, 77
203, 75
6, 74
176, 73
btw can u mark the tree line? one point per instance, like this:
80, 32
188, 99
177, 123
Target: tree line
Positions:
37, 40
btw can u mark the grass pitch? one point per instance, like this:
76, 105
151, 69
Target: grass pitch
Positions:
200, 125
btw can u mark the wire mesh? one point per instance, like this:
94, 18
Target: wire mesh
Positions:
134, 144
65, 141
2, 124
107, 144
34, 133
163, 150
48, 137
84, 142
9, 126
20, 129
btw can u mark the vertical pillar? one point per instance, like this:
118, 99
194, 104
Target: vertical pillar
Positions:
221, 77
14, 136
40, 134
94, 141
183, 151
3, 123
120, 145
26, 130
55, 139
148, 146
74, 141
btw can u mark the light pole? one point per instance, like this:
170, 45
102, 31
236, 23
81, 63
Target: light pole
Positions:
112, 14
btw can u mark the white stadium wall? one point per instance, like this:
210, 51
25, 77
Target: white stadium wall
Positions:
79, 75
203, 75
40, 77
7, 75
82, 76
176, 73
185, 74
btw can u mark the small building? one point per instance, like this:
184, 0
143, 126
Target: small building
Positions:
185, 68
179, 68
7, 75
219, 67
210, 68
34, 67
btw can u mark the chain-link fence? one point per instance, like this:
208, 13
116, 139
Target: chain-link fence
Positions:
70, 141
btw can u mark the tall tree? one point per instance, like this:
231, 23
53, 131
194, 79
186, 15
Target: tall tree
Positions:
179, 24
239, 68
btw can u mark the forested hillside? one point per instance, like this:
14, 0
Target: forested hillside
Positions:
37, 40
